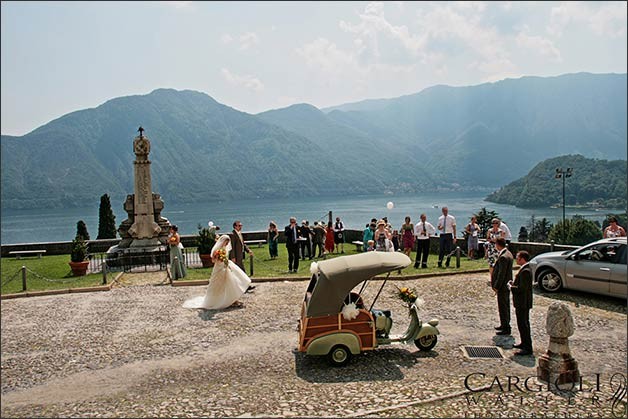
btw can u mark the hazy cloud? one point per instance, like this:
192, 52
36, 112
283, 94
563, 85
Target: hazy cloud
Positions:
248, 40
539, 44
178, 4
246, 81
603, 19
226, 38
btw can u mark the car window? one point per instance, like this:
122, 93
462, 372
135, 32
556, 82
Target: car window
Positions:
598, 253
620, 255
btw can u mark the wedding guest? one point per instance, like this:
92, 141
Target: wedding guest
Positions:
370, 246
522, 300
492, 235
339, 235
382, 244
306, 240
423, 231
395, 240
500, 277
614, 229
177, 264
291, 233
447, 228
381, 228
507, 233
329, 238
273, 240
369, 234
407, 236
473, 231
319, 239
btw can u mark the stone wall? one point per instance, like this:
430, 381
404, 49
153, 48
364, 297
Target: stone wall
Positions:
97, 246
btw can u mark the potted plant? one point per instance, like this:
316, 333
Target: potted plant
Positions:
78, 257
205, 241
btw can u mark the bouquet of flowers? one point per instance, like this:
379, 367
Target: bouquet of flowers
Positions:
221, 255
407, 295
172, 240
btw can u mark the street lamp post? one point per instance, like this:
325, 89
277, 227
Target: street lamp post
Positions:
560, 173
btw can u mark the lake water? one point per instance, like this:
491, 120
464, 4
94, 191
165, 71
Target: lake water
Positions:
44, 225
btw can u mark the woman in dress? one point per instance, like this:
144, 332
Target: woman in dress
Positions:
177, 264
491, 251
273, 239
381, 228
407, 236
472, 230
227, 283
329, 238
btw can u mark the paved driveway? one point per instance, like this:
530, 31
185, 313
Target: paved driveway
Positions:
134, 352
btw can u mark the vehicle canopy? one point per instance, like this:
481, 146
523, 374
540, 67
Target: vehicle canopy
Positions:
337, 277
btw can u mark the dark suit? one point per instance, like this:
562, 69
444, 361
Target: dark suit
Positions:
522, 300
237, 249
502, 275
292, 233
307, 244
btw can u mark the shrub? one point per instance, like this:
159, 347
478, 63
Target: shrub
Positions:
205, 240
79, 250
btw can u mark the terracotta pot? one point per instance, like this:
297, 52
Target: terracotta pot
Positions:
206, 260
79, 268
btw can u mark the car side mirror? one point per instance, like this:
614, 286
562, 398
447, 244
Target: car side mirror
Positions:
574, 257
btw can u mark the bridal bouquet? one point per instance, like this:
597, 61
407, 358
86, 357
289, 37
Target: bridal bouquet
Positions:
221, 255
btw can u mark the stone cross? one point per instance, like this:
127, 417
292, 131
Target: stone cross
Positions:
557, 366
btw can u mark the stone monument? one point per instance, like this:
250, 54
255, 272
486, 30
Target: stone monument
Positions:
145, 231
557, 366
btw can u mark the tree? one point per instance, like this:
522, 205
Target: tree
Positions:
81, 230
523, 234
578, 231
106, 219
484, 218
539, 229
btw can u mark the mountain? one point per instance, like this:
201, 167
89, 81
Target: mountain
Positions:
494, 133
594, 183
200, 150
442, 138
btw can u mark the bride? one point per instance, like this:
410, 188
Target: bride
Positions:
227, 283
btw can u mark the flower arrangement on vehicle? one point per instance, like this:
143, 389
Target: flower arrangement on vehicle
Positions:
221, 255
407, 295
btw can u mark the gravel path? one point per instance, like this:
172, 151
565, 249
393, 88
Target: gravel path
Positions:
134, 352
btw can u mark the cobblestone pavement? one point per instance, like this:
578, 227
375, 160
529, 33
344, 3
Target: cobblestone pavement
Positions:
135, 352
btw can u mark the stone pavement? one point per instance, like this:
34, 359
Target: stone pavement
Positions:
134, 352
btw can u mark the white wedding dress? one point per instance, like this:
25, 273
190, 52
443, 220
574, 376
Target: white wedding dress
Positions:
226, 284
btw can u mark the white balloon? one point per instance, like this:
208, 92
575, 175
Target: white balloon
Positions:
390, 205
211, 223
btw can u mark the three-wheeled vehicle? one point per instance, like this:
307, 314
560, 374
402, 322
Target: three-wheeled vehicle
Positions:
327, 328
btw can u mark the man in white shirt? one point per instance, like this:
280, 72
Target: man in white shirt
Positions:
503, 226
423, 231
447, 228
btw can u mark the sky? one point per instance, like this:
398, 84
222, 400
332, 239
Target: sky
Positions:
60, 57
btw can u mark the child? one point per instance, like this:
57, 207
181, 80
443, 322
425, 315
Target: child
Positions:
371, 246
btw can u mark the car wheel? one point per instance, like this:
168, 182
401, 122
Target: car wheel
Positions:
339, 356
550, 281
426, 343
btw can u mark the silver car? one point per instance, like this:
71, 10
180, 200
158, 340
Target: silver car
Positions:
599, 267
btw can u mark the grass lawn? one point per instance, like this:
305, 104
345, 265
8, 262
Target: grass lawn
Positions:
57, 273
50, 272
264, 267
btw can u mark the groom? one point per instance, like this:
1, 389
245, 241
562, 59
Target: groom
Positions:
238, 247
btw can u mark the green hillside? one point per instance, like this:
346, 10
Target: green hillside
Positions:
594, 183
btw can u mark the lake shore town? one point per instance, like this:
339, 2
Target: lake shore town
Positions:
135, 352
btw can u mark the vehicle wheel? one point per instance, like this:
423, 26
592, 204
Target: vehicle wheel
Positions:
339, 356
550, 281
426, 343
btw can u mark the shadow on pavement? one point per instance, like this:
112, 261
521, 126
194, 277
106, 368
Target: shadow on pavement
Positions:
602, 302
377, 365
